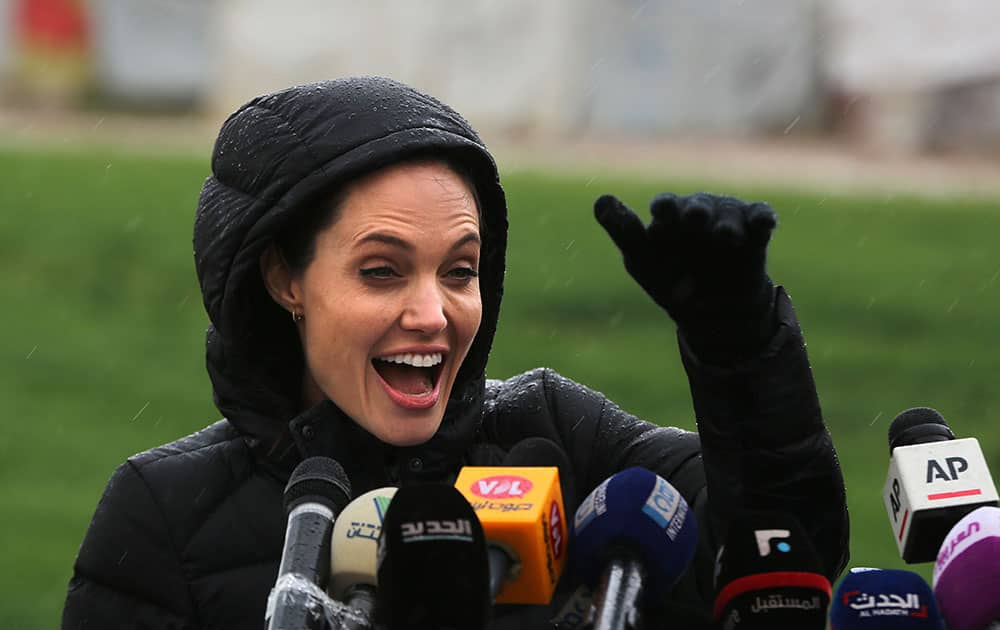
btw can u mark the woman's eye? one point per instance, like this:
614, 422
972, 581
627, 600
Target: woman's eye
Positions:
463, 273
383, 272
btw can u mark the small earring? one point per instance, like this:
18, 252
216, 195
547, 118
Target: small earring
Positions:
297, 316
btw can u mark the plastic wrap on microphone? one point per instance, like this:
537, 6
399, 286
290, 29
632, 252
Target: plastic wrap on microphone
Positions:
317, 491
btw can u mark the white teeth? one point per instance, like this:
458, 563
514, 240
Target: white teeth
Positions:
416, 360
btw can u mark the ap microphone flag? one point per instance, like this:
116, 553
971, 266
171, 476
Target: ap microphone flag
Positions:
967, 571
933, 481
884, 599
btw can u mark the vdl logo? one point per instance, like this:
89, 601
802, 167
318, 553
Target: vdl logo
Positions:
501, 487
766, 536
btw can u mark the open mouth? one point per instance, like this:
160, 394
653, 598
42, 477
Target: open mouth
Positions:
411, 379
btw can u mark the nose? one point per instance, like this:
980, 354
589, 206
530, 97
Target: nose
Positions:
424, 310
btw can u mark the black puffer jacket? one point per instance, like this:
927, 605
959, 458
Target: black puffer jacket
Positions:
189, 534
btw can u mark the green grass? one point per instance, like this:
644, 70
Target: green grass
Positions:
103, 356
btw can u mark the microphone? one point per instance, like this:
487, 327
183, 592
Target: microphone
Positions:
635, 536
431, 563
888, 599
520, 507
768, 575
933, 481
967, 572
353, 575
541, 452
316, 492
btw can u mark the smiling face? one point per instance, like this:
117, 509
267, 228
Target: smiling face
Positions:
390, 300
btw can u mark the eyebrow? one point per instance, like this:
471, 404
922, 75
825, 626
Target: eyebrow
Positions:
395, 241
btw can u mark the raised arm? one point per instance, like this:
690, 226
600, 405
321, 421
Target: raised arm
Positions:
702, 258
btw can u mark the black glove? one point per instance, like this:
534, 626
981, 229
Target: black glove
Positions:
702, 258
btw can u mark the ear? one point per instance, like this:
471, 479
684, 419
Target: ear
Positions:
279, 280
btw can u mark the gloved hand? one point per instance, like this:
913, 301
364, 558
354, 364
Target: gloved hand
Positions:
702, 258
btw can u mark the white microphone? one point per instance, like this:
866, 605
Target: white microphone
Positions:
933, 481
353, 543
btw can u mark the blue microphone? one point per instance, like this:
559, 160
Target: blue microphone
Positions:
634, 538
889, 599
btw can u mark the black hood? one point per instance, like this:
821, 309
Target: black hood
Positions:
281, 154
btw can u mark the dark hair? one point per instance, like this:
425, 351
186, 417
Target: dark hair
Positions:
297, 240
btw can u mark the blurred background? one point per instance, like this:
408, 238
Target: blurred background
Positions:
873, 129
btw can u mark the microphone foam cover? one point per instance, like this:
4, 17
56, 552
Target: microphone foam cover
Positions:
918, 425
538, 451
764, 542
768, 574
967, 571
320, 480
884, 598
638, 509
433, 570
354, 540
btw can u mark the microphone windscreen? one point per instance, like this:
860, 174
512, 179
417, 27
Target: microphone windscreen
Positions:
318, 480
768, 575
884, 598
432, 566
538, 451
637, 509
354, 539
918, 425
967, 571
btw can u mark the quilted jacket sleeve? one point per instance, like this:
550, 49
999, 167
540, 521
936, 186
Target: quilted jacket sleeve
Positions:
764, 442
761, 444
127, 573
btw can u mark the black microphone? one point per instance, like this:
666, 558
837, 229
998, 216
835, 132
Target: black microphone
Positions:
933, 481
539, 451
768, 575
432, 567
316, 493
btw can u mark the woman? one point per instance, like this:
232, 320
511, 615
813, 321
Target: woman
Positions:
350, 247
